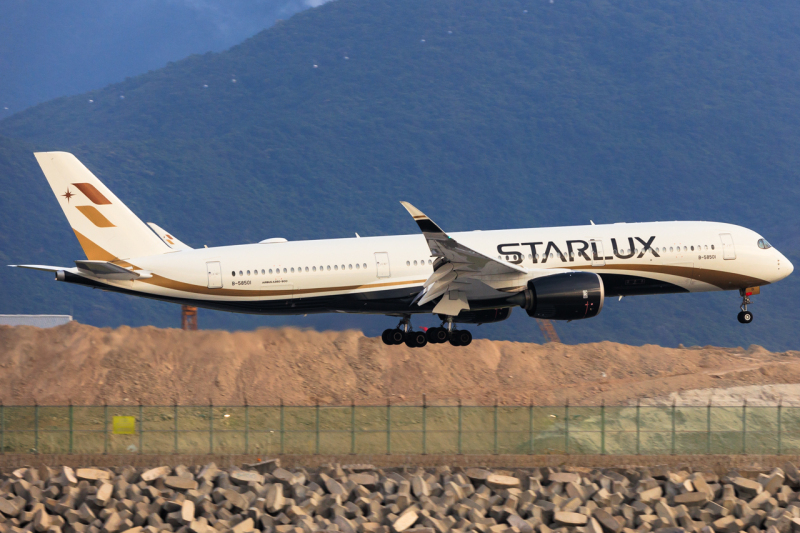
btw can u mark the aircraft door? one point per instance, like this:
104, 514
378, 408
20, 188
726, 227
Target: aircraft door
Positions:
214, 271
382, 263
598, 256
728, 250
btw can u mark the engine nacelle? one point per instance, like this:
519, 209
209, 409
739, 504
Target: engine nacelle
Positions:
485, 316
567, 296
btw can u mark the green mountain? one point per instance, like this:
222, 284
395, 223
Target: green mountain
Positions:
484, 114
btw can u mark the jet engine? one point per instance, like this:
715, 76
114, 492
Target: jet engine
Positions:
567, 296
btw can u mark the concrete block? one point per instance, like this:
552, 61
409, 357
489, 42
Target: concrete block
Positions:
568, 519
747, 488
244, 477
275, 500
404, 521
9, 507
692, 499
774, 482
650, 495
112, 524
607, 521
152, 474
92, 474
499, 482
564, 477
665, 513
419, 487
180, 483
41, 520
478, 474
245, 526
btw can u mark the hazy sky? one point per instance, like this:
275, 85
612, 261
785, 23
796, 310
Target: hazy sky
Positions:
52, 48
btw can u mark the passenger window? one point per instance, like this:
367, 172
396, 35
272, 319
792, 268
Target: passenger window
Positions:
429, 261
233, 273
670, 248
336, 267
358, 266
712, 246
292, 269
284, 271
342, 267
313, 269
365, 265
693, 248
270, 271
248, 272
329, 267
415, 262
408, 263
349, 267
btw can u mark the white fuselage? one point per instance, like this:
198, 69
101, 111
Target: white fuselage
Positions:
382, 274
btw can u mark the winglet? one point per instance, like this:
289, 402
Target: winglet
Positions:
425, 224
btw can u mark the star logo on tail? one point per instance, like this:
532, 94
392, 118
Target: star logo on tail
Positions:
68, 195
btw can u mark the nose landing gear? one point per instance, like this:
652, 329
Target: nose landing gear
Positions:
745, 316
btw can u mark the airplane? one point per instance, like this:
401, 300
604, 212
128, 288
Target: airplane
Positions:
471, 277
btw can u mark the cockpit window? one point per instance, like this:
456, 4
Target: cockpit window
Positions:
763, 244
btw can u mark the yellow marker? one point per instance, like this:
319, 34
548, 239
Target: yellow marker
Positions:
124, 425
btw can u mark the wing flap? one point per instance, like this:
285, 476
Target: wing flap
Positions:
456, 268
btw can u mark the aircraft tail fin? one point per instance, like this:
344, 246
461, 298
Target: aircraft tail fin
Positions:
106, 229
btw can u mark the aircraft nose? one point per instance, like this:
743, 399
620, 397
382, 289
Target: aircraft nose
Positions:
787, 266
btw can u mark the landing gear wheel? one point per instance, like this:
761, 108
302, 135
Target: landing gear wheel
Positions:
395, 336
416, 339
436, 335
461, 337
386, 336
745, 317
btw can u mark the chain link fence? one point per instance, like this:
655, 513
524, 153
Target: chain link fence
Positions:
388, 429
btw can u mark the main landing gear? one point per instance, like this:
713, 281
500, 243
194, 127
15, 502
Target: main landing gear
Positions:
417, 339
745, 316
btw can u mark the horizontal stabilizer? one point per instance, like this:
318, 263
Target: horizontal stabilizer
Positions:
105, 270
43, 268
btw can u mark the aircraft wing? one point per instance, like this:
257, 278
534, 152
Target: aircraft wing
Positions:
169, 239
455, 269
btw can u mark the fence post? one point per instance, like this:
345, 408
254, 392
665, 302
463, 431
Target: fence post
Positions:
459, 426
352, 427
673, 427
70, 427
780, 401
603, 428
176, 426
744, 427
246, 427
316, 442
495, 426
36, 427
424, 424
708, 428
141, 427
388, 427
566, 427
638, 427
210, 426
2, 428
282, 427
530, 428
105, 427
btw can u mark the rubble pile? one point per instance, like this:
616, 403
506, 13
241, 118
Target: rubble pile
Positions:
364, 499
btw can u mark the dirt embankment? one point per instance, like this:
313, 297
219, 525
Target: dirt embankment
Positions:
88, 365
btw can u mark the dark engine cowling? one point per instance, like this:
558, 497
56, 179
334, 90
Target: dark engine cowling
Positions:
567, 296
485, 316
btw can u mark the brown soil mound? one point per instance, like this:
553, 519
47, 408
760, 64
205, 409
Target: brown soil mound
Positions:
87, 365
